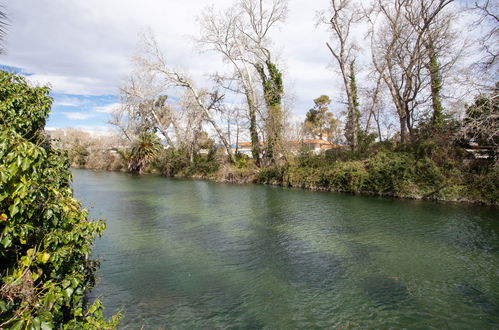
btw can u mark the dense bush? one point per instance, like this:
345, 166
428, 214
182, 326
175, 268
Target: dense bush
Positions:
304, 177
348, 176
176, 162
45, 236
388, 172
271, 175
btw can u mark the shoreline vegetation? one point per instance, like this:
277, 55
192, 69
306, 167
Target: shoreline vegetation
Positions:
400, 173
237, 176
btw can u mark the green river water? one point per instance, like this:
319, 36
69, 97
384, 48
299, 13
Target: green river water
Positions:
181, 254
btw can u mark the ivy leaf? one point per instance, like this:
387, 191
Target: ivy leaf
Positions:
19, 325
68, 292
6, 241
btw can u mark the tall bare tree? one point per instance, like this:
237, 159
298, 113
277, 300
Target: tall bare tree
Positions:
241, 35
341, 17
404, 52
221, 32
144, 106
433, 25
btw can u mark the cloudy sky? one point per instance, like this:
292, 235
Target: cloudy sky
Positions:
83, 49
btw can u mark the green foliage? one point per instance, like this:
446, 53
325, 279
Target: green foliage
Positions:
273, 89
175, 162
347, 176
141, 152
306, 158
390, 172
270, 175
365, 141
352, 126
45, 236
485, 186
319, 119
481, 124
273, 86
436, 86
242, 161
23, 107
304, 177
170, 162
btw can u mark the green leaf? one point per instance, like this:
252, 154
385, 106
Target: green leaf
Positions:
35, 324
3, 306
13, 209
68, 292
46, 326
18, 325
6, 241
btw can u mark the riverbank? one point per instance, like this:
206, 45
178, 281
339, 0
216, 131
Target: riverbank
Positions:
389, 174
321, 180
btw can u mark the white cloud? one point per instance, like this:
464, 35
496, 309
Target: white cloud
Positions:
68, 102
77, 85
77, 115
96, 130
107, 108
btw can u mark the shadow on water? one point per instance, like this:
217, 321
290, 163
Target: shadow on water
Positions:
475, 297
386, 292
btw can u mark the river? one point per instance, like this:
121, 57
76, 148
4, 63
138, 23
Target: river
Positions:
193, 254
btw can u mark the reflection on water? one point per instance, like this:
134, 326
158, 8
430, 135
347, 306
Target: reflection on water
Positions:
192, 254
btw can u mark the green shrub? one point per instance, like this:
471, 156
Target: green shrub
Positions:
484, 187
305, 177
45, 236
347, 176
170, 162
201, 167
273, 174
390, 172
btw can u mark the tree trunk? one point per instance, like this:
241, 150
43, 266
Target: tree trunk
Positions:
436, 85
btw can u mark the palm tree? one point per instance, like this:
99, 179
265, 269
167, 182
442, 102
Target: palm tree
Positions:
143, 150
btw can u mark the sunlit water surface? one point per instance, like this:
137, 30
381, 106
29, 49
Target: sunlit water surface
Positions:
193, 254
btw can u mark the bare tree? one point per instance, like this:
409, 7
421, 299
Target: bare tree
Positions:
341, 17
481, 124
236, 119
221, 32
241, 36
488, 12
403, 38
153, 61
372, 105
144, 104
433, 26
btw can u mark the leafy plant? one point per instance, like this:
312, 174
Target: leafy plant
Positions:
45, 235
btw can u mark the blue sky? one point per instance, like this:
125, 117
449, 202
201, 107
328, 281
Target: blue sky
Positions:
81, 111
88, 112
